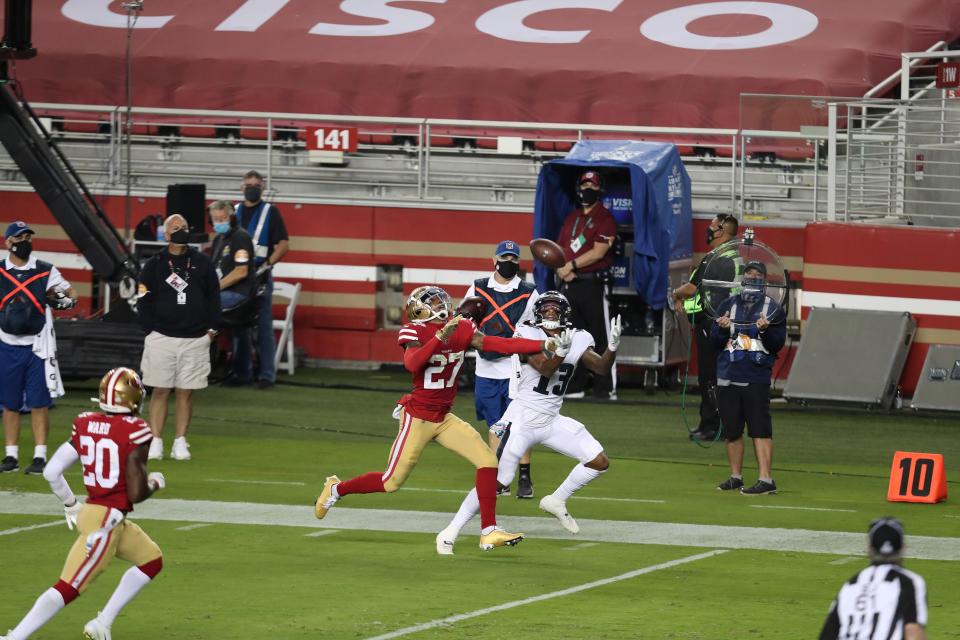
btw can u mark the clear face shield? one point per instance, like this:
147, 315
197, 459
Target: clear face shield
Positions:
752, 288
744, 268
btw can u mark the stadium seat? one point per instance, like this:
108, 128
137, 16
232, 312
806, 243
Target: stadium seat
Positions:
291, 293
441, 141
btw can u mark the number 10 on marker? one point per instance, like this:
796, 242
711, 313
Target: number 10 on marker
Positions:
332, 139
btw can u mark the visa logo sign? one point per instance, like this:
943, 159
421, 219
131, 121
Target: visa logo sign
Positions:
619, 204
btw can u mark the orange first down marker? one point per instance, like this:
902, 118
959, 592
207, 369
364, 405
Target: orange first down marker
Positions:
917, 477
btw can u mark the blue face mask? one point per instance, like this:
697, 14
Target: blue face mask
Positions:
221, 227
753, 289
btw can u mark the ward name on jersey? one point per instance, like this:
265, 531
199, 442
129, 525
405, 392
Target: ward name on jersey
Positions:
544, 395
104, 442
435, 386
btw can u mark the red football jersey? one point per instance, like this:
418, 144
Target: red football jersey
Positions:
104, 442
435, 386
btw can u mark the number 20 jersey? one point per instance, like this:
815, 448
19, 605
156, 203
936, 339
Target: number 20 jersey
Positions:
104, 442
541, 395
435, 386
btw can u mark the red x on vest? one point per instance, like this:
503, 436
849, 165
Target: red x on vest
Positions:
498, 309
22, 286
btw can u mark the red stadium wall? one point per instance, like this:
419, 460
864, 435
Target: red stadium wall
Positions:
891, 269
335, 250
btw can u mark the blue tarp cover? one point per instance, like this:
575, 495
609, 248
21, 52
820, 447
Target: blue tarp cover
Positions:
659, 197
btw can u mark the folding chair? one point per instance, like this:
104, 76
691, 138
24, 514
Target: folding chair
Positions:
290, 293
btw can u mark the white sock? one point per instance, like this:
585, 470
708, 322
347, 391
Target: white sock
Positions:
487, 530
130, 585
468, 509
579, 477
181, 439
40, 451
334, 492
737, 476
767, 480
48, 605
13, 451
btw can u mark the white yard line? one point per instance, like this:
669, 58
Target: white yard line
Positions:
294, 484
582, 545
191, 527
949, 516
700, 536
783, 506
322, 532
442, 622
9, 532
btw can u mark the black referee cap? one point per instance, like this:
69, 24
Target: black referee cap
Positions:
886, 536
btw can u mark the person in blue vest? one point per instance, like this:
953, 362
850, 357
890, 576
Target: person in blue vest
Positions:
509, 300
749, 331
264, 223
26, 283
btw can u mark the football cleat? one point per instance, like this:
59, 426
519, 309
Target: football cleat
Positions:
96, 630
156, 449
445, 542
326, 499
180, 449
499, 538
554, 506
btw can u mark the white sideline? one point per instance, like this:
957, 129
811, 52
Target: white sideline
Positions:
546, 596
464, 492
8, 532
394, 520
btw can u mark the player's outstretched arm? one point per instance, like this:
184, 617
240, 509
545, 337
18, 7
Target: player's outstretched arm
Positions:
509, 346
64, 458
602, 364
140, 484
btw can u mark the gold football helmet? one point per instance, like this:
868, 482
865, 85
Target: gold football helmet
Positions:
429, 303
121, 391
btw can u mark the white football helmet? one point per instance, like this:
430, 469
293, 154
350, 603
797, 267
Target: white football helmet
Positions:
429, 303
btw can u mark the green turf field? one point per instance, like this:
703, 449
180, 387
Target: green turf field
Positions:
250, 562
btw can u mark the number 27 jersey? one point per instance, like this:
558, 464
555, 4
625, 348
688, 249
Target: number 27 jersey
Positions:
435, 386
539, 393
104, 442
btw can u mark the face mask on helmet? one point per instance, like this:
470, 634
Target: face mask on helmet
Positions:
551, 311
752, 288
429, 303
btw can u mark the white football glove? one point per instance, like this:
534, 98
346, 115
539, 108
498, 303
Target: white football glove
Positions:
499, 428
71, 513
616, 328
565, 342
95, 537
156, 480
396, 411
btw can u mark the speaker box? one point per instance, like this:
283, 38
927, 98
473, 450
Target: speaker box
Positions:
939, 386
850, 356
189, 200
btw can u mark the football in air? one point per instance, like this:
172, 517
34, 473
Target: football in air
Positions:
472, 308
548, 252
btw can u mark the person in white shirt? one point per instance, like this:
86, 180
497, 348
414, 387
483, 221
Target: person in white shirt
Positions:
508, 301
533, 416
27, 287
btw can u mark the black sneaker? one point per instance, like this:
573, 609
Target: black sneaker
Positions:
36, 467
730, 484
760, 488
263, 385
9, 464
703, 436
503, 491
524, 487
234, 381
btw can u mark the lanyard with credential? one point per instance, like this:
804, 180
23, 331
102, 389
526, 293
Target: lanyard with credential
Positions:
573, 231
186, 276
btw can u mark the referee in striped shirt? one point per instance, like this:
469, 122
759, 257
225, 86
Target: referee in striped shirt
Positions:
884, 601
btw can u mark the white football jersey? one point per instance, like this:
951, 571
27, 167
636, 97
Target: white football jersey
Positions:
544, 395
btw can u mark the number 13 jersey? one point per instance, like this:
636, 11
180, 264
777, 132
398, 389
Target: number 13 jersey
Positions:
435, 386
104, 442
543, 395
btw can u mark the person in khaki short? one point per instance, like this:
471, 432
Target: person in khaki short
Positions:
112, 447
178, 301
